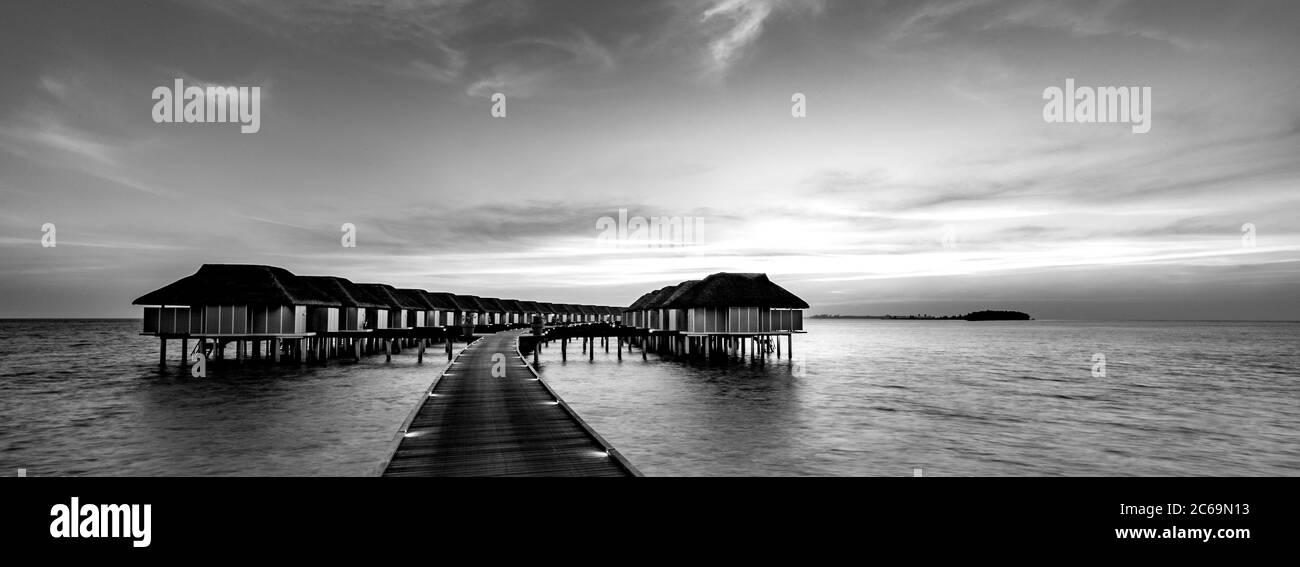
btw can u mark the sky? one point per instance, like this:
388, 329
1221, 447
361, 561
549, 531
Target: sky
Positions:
921, 178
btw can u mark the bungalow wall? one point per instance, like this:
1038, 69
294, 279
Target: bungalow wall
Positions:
732, 320
787, 319
352, 319
170, 321
265, 320
377, 317
397, 318
322, 319
228, 319
706, 320
675, 319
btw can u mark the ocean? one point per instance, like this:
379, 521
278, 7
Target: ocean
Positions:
860, 397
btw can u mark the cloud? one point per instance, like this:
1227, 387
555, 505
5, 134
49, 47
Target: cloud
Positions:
582, 48
514, 82
421, 35
934, 20
731, 26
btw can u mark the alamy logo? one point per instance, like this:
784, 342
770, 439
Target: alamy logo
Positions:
76, 520
1087, 105
655, 232
182, 104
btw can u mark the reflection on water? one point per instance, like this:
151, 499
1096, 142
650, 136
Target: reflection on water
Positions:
860, 398
957, 398
87, 398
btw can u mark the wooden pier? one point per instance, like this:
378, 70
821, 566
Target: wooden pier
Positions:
472, 423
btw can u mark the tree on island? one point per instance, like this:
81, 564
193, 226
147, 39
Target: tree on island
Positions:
990, 315
986, 315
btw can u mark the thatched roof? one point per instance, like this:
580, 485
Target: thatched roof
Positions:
492, 305
442, 300
548, 307
344, 291
733, 290
640, 302
417, 296
512, 306
471, 303
390, 296
530, 306
679, 291
656, 300
238, 284
588, 310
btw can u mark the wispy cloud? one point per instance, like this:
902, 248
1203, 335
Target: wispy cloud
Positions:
731, 26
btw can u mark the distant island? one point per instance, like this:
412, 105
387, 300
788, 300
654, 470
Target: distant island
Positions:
986, 315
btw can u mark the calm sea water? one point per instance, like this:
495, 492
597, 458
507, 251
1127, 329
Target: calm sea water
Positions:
859, 398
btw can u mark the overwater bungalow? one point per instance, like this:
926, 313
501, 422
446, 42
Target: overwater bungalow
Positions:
571, 313
233, 299
474, 309
657, 316
550, 313
495, 311
531, 309
614, 315
418, 318
353, 303
445, 309
515, 313
225, 302
400, 308
735, 303
634, 315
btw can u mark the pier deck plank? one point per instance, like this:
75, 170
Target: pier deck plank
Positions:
478, 425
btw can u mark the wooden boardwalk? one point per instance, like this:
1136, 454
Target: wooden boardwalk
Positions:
472, 424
